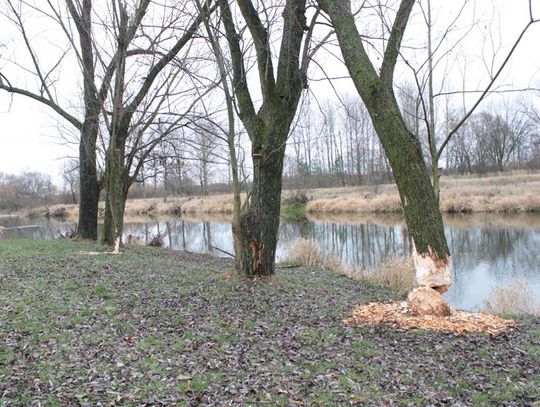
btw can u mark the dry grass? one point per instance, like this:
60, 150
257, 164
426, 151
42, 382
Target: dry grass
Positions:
502, 193
306, 253
378, 204
498, 193
209, 204
515, 298
154, 206
394, 272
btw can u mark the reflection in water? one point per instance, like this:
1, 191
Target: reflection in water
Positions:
483, 255
22, 228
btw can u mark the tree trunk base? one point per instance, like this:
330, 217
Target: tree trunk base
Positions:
117, 245
426, 301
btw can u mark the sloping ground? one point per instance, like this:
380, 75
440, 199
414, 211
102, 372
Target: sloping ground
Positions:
151, 326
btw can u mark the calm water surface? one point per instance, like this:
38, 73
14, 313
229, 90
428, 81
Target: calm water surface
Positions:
487, 250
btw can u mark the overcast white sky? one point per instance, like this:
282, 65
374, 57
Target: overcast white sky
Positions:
30, 138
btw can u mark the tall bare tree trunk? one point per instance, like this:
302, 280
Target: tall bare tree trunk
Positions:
268, 128
89, 184
231, 138
89, 188
259, 222
403, 149
117, 185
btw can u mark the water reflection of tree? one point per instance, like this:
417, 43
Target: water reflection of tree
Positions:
45, 229
359, 244
508, 252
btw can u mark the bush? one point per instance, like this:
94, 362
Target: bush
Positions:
394, 272
297, 197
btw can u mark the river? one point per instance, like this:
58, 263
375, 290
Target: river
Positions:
487, 249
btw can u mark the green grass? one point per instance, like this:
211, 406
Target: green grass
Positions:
150, 326
293, 211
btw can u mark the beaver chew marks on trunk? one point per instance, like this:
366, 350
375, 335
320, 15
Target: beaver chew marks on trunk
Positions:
257, 253
432, 271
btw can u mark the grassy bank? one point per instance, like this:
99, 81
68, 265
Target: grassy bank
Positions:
293, 211
79, 327
512, 193
494, 194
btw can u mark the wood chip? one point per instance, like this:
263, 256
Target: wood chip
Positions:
397, 314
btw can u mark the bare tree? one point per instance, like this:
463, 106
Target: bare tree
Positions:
70, 176
268, 126
27, 189
116, 49
501, 136
133, 109
81, 13
424, 221
426, 97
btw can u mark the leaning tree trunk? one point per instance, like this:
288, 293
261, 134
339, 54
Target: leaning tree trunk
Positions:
259, 223
420, 205
422, 213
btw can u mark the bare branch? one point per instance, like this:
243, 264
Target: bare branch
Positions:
262, 47
73, 120
486, 91
394, 42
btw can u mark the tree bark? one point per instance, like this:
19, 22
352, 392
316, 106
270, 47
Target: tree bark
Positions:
259, 222
117, 187
420, 205
268, 128
403, 149
89, 186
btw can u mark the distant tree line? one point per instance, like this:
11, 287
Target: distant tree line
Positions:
26, 190
330, 145
492, 141
336, 145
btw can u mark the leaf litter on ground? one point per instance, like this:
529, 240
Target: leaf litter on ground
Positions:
157, 327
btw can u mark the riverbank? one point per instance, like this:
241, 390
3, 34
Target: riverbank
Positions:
513, 193
80, 326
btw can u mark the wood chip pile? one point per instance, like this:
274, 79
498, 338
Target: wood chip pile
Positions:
397, 314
